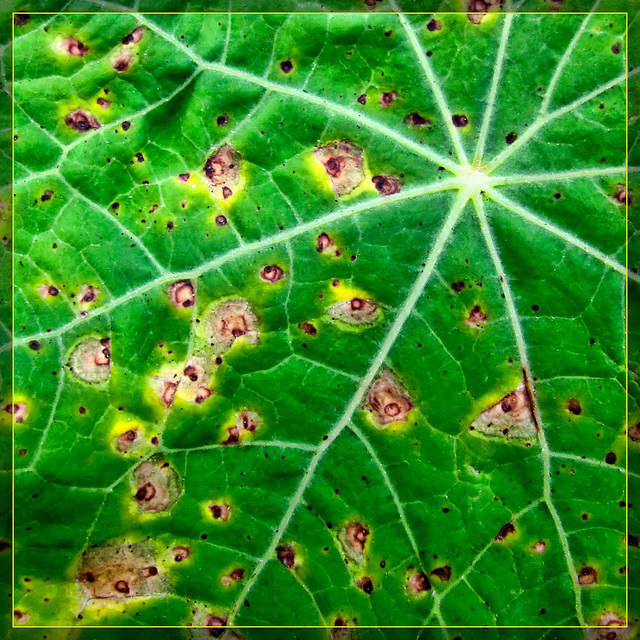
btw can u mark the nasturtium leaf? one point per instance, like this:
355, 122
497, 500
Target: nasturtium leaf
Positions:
320, 319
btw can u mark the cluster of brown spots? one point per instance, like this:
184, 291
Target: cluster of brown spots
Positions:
220, 511
180, 554
477, 318
323, 243
512, 417
126, 570
271, 273
134, 37
230, 320
621, 196
308, 328
103, 102
343, 162
459, 120
247, 421
366, 584
182, 294
434, 25
355, 312
90, 361
387, 400
18, 410
386, 185
156, 484
573, 406
634, 432
127, 440
222, 170
286, 66
193, 372
511, 137
443, 573
75, 47
123, 62
286, 554
418, 583
46, 196
505, 531
587, 576
478, 9
80, 120
416, 120
353, 538
217, 624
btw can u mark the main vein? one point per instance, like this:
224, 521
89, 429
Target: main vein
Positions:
390, 339
524, 361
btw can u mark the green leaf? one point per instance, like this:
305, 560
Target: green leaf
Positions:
323, 315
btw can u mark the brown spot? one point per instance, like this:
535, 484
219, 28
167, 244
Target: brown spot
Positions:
157, 485
457, 286
234, 436
386, 185
323, 243
355, 312
271, 273
247, 421
505, 530
308, 328
459, 120
126, 125
573, 406
366, 584
80, 120
632, 540
123, 62
287, 555
75, 47
221, 220
434, 25
47, 195
202, 393
230, 320
127, 440
35, 345
226, 192
19, 411
387, 399
634, 432
416, 120
103, 102
476, 318
610, 458
237, 574
419, 582
182, 294
362, 99
180, 553
220, 511
621, 196
587, 575
444, 573
615, 48
353, 538
478, 10
134, 37
88, 294
20, 19
222, 169
387, 98
149, 572
511, 137
343, 162
223, 120
168, 392
122, 586
216, 621
192, 372
184, 177
286, 66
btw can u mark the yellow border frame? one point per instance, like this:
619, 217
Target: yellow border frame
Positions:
225, 13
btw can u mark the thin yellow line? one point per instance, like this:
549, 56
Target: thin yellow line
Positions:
626, 342
312, 626
13, 360
312, 13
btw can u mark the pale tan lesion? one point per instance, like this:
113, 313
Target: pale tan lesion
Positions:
343, 162
387, 400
